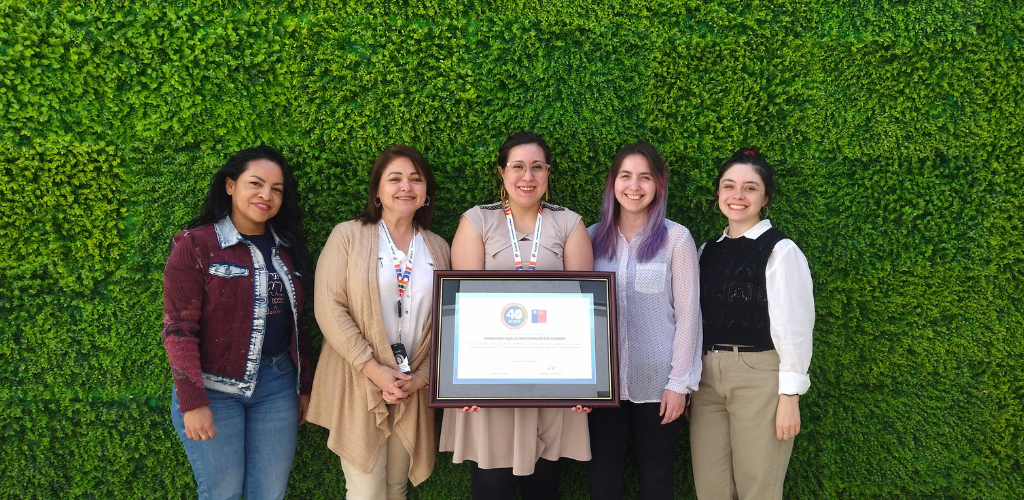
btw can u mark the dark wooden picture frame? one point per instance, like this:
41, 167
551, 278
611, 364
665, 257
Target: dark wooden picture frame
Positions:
601, 390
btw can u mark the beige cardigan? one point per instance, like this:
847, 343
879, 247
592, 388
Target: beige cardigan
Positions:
348, 310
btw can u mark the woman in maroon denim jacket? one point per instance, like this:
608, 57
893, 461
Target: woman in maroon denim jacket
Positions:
235, 329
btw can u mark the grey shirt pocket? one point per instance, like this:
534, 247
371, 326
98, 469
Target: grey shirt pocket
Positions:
650, 277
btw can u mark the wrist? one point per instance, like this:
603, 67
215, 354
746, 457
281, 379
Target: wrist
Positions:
197, 410
370, 368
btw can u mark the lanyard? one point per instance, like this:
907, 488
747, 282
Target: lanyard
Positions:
403, 277
515, 241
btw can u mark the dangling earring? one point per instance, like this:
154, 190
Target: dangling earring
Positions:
376, 202
427, 203
546, 191
502, 199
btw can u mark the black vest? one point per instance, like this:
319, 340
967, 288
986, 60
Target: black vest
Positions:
734, 292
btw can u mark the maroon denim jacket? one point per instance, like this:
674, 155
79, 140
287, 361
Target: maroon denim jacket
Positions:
215, 305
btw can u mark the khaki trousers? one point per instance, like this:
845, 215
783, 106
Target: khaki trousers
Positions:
389, 477
732, 428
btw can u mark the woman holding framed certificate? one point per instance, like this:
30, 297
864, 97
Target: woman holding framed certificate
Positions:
374, 290
758, 309
659, 331
519, 448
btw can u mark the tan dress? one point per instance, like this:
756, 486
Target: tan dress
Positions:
517, 437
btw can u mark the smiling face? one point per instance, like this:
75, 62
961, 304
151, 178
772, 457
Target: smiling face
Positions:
525, 175
402, 189
256, 195
741, 196
635, 187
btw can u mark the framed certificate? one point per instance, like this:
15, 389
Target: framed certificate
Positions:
524, 338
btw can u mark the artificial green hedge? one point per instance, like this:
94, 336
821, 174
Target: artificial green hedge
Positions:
896, 127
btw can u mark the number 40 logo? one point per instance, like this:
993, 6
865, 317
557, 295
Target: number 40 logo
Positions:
513, 316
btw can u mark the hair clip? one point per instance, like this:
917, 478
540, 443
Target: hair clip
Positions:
751, 153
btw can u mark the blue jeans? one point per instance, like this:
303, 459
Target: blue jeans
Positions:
253, 450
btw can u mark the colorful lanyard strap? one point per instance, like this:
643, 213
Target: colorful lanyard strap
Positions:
403, 276
515, 241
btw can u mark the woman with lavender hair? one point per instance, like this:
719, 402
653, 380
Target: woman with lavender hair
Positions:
659, 326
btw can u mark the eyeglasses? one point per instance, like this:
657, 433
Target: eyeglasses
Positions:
538, 169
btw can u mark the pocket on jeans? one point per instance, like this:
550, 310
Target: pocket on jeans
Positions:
765, 362
285, 366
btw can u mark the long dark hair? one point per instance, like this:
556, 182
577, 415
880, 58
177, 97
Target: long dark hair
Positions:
288, 221
655, 232
751, 156
425, 214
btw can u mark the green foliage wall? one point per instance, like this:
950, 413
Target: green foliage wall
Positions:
896, 127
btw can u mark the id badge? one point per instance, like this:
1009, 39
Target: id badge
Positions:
401, 357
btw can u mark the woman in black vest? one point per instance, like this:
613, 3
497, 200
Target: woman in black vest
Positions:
758, 311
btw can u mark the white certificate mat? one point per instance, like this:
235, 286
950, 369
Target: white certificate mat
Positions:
515, 338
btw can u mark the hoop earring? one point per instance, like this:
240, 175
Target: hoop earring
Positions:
376, 202
502, 198
427, 203
765, 214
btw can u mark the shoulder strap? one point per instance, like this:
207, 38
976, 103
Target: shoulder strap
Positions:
708, 249
769, 239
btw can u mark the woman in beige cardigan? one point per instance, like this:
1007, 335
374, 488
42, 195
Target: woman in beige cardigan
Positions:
374, 282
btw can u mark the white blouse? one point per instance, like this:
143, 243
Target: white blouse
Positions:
790, 308
416, 301
659, 321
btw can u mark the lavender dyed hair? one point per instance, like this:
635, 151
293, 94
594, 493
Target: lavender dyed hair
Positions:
655, 232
